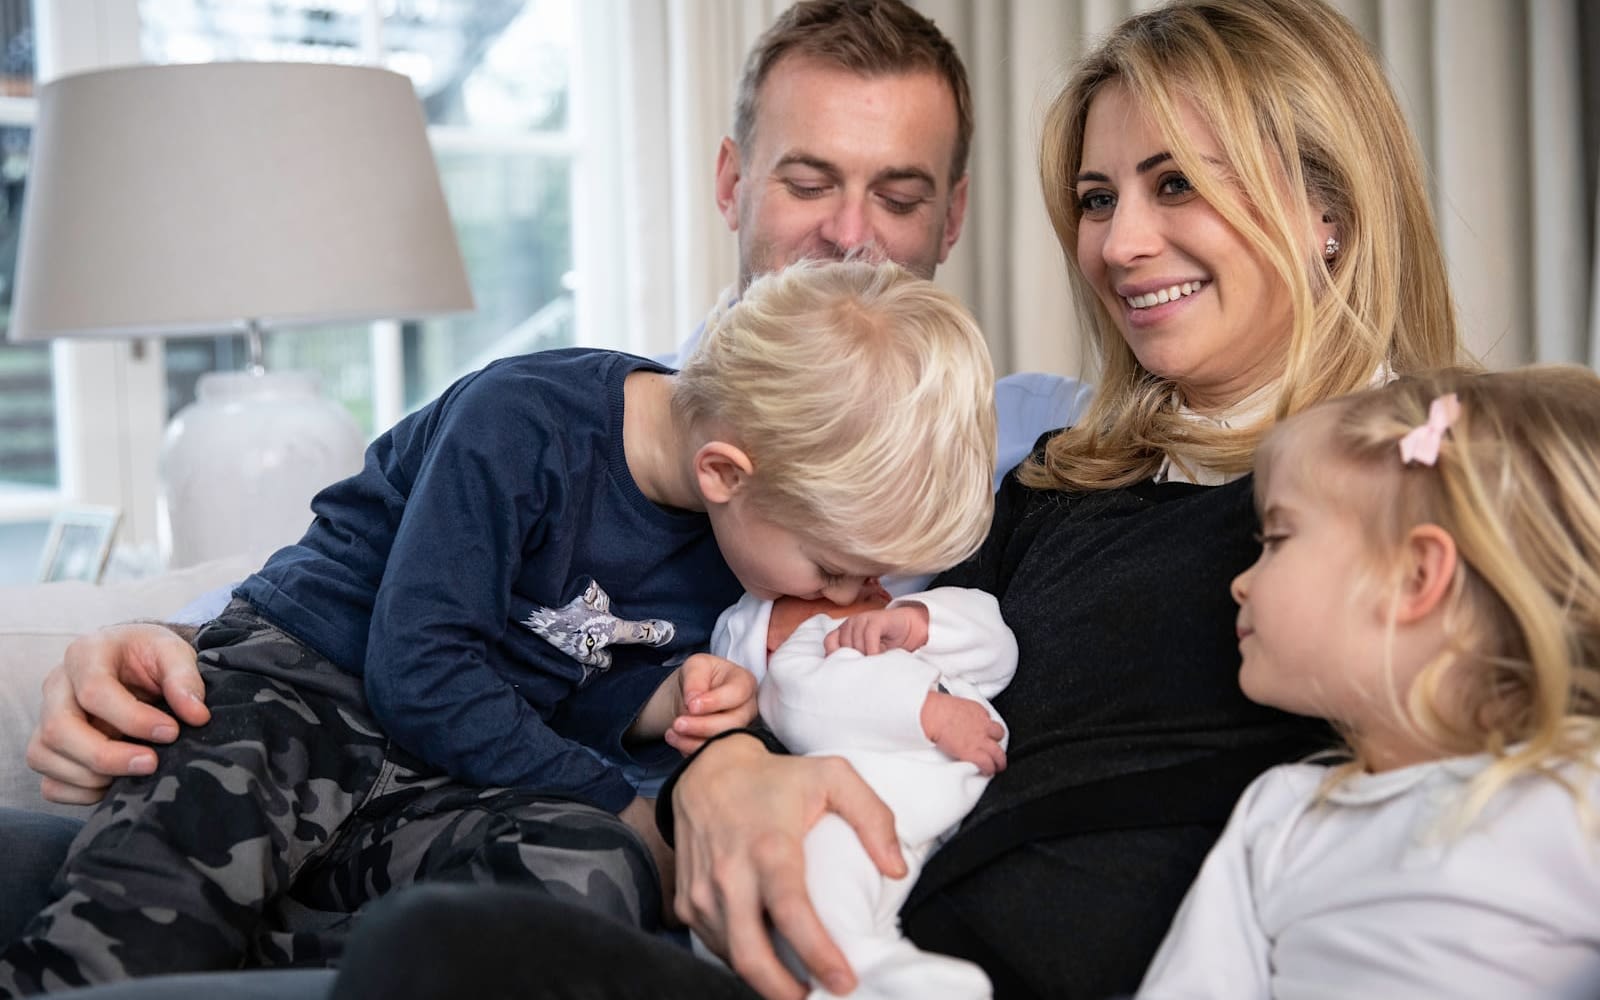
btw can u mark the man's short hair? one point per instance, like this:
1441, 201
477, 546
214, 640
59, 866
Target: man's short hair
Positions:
868, 37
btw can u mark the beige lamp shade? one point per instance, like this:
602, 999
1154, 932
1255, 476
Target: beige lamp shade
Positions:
169, 200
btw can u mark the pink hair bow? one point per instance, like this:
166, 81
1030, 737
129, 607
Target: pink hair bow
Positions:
1421, 443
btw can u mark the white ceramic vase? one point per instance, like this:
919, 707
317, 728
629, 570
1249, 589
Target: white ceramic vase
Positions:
240, 465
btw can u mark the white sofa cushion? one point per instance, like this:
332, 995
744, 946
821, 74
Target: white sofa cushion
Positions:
38, 621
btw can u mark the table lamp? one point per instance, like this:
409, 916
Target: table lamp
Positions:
235, 197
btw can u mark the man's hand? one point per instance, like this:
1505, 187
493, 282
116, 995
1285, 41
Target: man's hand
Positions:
640, 814
964, 729
97, 693
715, 695
904, 626
741, 814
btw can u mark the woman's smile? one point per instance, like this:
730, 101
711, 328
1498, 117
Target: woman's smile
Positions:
1159, 303
1195, 301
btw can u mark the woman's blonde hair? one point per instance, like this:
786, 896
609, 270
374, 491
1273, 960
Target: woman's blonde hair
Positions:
1517, 486
1302, 114
864, 397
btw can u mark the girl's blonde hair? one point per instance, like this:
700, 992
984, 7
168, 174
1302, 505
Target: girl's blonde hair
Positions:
1302, 113
1517, 485
864, 397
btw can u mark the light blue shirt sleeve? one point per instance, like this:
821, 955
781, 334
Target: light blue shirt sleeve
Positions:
1029, 403
205, 607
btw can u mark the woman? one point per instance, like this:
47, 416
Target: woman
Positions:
1245, 221
1244, 215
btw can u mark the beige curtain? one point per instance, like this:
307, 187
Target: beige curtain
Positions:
1493, 89
680, 65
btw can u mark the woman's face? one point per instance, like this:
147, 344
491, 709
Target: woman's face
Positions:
1192, 299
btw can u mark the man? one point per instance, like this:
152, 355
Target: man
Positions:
852, 128
841, 146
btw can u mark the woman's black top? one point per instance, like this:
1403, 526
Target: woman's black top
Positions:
1130, 738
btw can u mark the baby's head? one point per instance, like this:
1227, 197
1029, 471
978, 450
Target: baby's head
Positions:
1445, 533
850, 405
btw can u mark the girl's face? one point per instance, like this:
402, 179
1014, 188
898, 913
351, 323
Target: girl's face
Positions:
1313, 621
1189, 295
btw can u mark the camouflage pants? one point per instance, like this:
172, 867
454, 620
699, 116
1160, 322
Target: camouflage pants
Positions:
262, 833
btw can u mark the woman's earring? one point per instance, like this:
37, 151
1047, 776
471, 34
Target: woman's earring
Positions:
1330, 249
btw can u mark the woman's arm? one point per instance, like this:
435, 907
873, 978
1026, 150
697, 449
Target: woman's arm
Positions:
739, 816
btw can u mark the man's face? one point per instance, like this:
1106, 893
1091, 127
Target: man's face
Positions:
841, 161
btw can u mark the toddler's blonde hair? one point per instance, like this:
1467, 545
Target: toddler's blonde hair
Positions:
1517, 485
864, 397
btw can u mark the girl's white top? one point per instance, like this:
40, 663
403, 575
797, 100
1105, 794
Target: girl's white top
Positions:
1365, 894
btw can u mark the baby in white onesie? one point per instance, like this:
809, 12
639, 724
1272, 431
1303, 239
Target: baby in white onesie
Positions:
869, 709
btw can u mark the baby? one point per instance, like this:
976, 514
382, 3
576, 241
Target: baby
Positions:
901, 692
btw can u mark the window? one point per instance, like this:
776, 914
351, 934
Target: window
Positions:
27, 417
29, 472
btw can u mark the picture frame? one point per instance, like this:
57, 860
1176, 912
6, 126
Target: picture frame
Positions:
78, 544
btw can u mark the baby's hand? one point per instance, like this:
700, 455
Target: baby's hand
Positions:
904, 626
715, 695
963, 729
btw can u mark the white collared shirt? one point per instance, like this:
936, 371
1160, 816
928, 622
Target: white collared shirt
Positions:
1241, 414
1369, 892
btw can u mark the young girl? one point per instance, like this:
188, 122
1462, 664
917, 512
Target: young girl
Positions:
1429, 582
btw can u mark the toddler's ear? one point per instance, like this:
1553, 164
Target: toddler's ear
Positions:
1429, 569
720, 470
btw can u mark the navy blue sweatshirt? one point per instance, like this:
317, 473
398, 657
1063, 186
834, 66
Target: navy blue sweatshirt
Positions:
501, 584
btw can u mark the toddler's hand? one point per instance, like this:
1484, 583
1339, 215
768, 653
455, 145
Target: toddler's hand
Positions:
963, 729
904, 626
715, 695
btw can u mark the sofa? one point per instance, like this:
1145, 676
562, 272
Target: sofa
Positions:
38, 621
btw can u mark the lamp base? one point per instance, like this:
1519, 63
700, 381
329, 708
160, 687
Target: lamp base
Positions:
240, 465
